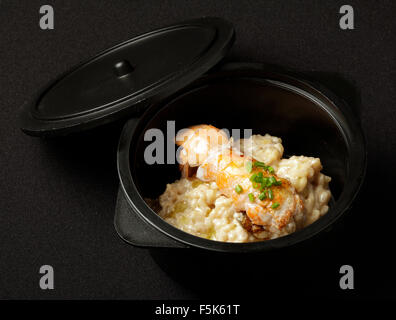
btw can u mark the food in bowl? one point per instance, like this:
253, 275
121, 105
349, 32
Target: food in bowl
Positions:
242, 191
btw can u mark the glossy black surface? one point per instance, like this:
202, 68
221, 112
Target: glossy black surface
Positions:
248, 97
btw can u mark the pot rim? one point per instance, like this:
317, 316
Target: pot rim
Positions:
345, 120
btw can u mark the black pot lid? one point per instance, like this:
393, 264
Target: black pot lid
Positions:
119, 81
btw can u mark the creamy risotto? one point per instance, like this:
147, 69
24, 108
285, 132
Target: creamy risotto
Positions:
202, 209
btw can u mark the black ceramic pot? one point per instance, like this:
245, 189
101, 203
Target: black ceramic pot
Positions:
173, 73
310, 120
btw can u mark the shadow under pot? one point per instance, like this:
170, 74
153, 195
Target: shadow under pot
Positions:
310, 121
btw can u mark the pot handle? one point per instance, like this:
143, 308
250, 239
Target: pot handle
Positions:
135, 231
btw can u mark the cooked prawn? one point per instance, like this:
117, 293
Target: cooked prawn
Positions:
268, 200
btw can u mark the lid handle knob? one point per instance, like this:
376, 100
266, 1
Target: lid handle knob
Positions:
122, 68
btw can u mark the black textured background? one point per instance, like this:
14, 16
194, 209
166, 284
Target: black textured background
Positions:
57, 196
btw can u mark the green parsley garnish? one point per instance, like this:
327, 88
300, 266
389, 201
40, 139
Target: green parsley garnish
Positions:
260, 164
262, 196
258, 177
259, 181
249, 166
275, 205
272, 180
265, 182
265, 167
238, 189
